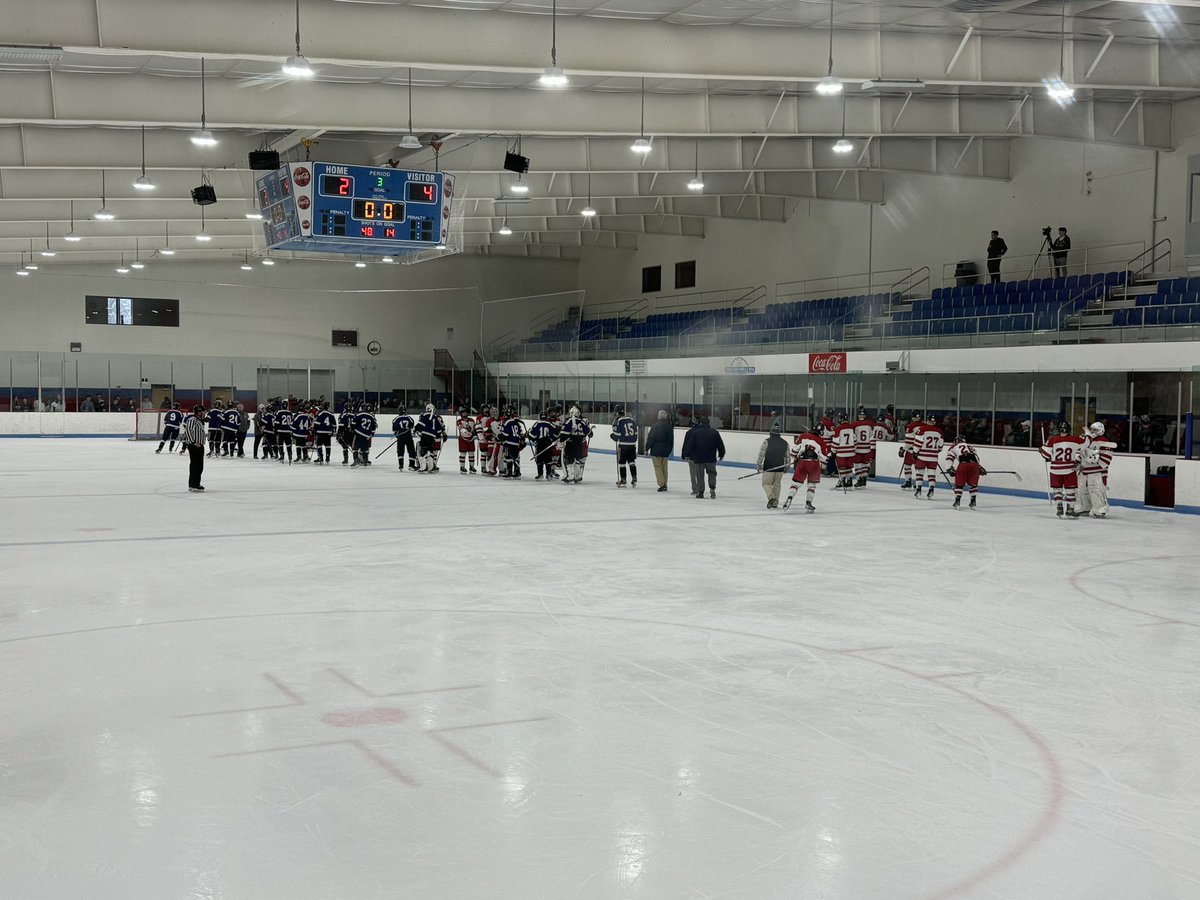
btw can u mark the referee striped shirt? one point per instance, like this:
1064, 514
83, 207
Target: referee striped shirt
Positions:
193, 431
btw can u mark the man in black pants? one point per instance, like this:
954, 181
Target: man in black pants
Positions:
193, 440
1060, 247
995, 250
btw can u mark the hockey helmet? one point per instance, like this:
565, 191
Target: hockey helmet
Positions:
915, 417
574, 411
618, 409
429, 408
1064, 428
1096, 429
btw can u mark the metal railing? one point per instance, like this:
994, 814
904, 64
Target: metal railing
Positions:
844, 285
912, 283
1096, 258
1150, 257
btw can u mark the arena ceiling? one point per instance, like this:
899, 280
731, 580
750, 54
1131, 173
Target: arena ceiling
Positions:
722, 88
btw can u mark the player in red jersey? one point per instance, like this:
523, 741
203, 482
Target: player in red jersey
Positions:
962, 461
844, 443
864, 447
811, 451
482, 431
927, 447
1062, 452
1094, 460
908, 452
466, 440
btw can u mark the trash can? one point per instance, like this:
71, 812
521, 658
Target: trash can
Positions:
966, 272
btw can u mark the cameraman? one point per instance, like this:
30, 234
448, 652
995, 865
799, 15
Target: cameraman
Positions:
996, 248
1059, 247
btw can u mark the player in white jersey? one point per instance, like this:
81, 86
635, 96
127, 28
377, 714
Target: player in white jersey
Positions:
927, 447
1094, 460
962, 463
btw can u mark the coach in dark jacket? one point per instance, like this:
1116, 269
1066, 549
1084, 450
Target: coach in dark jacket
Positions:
660, 442
702, 447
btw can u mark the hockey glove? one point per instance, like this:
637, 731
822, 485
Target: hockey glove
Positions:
982, 470
901, 453
950, 472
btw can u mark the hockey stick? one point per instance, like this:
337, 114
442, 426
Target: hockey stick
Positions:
949, 483
1016, 475
782, 468
386, 449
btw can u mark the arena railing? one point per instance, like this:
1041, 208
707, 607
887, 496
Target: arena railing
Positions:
849, 284
1080, 261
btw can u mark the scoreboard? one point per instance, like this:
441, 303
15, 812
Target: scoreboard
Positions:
355, 210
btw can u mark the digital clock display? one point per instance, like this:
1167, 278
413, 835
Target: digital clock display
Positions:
422, 192
377, 210
337, 185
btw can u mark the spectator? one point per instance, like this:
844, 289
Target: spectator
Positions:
87, 405
660, 442
56, 404
996, 249
773, 458
702, 447
1018, 437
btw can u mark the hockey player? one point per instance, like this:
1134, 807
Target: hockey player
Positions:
576, 431
466, 440
483, 439
302, 423
543, 435
231, 420
908, 452
172, 419
324, 427
881, 432
345, 429
283, 432
402, 427
1094, 460
364, 425
555, 454
1062, 452
864, 447
513, 435
926, 449
625, 435
962, 464
430, 430
845, 449
810, 450
214, 427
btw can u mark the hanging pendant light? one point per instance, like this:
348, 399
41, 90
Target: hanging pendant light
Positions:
143, 183
843, 145
203, 236
22, 271
103, 214
245, 266
137, 255
1057, 88
588, 211
696, 184
71, 235
47, 251
31, 265
504, 229
297, 66
203, 137
830, 86
641, 145
553, 76
410, 141
122, 269
166, 250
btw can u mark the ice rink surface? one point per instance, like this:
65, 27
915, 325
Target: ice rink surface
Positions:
364, 684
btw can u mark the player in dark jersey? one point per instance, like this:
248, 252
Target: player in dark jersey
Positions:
172, 419
324, 427
625, 435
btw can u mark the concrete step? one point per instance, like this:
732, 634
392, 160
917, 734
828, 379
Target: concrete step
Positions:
1136, 290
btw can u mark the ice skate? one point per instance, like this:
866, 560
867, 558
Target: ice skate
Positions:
1058, 511
972, 503
929, 494
787, 504
808, 507
957, 504
712, 494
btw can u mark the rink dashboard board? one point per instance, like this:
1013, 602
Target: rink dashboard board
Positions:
357, 210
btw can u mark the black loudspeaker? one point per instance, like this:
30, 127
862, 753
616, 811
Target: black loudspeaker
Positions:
264, 160
204, 195
516, 163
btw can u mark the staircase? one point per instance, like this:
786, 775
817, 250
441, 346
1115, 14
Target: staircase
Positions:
1141, 281
914, 286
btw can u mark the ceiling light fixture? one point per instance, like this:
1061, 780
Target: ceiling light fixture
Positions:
203, 235
829, 86
267, 261
166, 250
297, 66
410, 141
641, 145
843, 145
553, 76
104, 214
137, 255
504, 229
122, 269
254, 216
22, 271
588, 211
31, 265
696, 184
387, 259
47, 251
519, 186
71, 235
441, 246
245, 266
203, 137
360, 265
1057, 88
143, 183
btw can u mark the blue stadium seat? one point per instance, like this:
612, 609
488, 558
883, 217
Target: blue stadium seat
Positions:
1172, 299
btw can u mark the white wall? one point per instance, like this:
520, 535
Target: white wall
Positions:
286, 311
928, 221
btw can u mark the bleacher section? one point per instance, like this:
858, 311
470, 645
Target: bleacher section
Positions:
1176, 302
1100, 300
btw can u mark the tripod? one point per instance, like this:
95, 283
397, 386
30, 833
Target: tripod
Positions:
1044, 251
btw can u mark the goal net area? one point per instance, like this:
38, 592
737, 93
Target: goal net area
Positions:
148, 424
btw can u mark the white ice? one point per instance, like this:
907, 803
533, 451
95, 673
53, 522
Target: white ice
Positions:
362, 684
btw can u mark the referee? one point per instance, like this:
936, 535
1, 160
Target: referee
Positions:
193, 439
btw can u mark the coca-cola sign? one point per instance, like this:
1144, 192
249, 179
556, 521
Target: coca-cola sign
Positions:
827, 363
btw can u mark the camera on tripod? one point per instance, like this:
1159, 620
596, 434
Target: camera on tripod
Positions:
1046, 232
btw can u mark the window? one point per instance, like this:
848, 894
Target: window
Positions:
685, 274
130, 311
345, 338
651, 279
